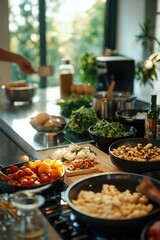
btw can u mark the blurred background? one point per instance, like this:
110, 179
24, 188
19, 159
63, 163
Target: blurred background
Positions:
47, 31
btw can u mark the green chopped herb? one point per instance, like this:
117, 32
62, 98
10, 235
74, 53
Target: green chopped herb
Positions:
106, 129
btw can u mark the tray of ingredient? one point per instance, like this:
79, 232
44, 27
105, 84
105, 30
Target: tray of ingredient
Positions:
77, 159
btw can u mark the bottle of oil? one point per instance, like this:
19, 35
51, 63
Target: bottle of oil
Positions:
158, 125
151, 119
66, 78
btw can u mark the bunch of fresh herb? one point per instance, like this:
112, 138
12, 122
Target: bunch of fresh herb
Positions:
104, 128
81, 119
74, 102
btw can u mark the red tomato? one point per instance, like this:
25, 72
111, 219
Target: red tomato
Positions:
28, 171
8, 171
34, 169
44, 178
154, 231
23, 167
24, 182
31, 182
21, 173
14, 169
6, 179
15, 176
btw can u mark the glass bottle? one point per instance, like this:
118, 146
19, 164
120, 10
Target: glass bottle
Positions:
30, 224
158, 125
66, 78
151, 119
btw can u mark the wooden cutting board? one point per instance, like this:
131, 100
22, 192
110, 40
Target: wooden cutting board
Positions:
104, 165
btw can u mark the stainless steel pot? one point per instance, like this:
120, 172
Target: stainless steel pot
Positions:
107, 104
19, 91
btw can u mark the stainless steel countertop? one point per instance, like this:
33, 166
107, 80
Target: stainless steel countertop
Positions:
15, 119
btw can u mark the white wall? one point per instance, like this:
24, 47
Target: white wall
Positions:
130, 15
5, 68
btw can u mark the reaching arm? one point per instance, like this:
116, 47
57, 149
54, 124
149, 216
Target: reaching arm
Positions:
21, 61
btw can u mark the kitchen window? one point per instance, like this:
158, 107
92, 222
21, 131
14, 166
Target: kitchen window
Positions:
61, 28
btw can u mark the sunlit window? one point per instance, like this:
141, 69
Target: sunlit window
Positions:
73, 28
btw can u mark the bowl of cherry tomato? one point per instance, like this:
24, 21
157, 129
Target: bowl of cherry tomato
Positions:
152, 230
32, 174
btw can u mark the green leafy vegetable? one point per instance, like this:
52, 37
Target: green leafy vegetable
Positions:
105, 129
73, 103
81, 119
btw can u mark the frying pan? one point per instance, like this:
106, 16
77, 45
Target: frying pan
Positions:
134, 166
9, 188
154, 174
103, 226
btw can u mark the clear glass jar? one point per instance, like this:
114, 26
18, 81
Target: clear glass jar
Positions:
30, 224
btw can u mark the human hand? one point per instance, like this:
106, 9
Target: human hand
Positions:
25, 65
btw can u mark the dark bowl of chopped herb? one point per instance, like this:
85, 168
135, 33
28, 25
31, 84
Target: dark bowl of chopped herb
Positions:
105, 133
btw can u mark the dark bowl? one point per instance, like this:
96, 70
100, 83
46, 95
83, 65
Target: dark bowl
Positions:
134, 166
122, 181
130, 117
152, 230
59, 125
154, 175
106, 141
10, 188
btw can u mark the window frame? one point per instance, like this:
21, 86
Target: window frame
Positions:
109, 31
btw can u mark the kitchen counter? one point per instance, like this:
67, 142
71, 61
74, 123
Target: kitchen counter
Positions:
14, 120
14, 123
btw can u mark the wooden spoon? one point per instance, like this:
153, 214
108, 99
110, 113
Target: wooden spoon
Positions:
147, 188
111, 89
